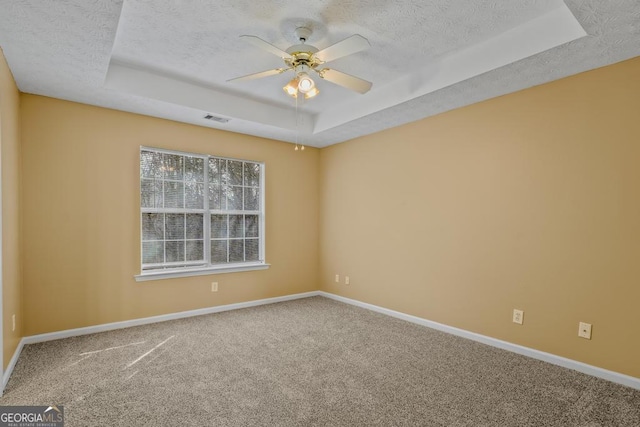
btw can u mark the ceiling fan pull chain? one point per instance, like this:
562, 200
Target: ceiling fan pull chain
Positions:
297, 131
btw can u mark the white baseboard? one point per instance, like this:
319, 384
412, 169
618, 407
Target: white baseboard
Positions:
12, 364
143, 321
612, 376
162, 318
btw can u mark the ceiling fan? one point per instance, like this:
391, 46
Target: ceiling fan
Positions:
303, 58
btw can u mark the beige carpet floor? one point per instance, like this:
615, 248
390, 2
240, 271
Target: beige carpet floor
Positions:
309, 362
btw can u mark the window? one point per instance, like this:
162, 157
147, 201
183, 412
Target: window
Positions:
199, 214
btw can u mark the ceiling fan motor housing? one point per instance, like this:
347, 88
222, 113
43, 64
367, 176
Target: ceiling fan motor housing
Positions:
302, 58
302, 55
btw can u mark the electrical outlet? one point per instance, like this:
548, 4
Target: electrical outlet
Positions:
518, 316
346, 280
13, 322
214, 286
584, 330
337, 278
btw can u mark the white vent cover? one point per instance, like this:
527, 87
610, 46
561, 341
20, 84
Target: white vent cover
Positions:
216, 118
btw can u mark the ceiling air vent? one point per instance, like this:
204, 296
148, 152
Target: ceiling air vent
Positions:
216, 118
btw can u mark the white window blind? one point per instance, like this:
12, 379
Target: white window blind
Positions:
199, 211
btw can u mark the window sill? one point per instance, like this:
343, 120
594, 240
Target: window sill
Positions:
233, 268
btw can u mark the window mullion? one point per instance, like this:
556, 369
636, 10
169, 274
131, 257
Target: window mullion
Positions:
184, 236
244, 219
164, 217
228, 236
261, 217
226, 186
184, 206
206, 218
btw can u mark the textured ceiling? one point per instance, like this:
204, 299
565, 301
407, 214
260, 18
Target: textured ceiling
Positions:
171, 58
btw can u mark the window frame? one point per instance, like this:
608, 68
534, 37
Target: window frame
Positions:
206, 267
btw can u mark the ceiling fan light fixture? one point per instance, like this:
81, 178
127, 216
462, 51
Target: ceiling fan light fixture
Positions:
305, 83
311, 93
291, 88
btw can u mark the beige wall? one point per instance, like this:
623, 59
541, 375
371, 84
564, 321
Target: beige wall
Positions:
528, 201
10, 156
81, 217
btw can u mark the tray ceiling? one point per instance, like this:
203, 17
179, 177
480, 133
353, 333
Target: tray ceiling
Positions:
172, 58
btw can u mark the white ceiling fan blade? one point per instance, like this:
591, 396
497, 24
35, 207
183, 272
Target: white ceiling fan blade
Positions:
350, 45
259, 75
257, 41
346, 80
